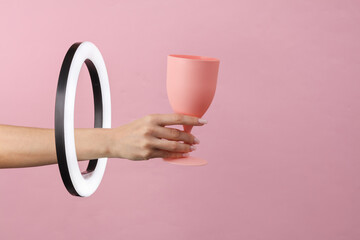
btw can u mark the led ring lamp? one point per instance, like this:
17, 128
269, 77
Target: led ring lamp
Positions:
78, 183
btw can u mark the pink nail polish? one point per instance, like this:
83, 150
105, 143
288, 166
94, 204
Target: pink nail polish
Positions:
203, 121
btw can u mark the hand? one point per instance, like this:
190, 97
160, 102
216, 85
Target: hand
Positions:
148, 137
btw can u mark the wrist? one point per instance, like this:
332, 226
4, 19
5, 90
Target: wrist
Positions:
106, 148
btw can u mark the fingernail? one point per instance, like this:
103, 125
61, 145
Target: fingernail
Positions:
185, 155
197, 141
192, 147
203, 121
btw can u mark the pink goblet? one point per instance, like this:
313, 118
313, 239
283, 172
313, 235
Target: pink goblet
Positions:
191, 83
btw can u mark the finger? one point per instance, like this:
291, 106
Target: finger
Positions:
174, 134
157, 153
172, 146
178, 119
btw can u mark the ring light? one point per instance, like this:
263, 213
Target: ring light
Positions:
78, 183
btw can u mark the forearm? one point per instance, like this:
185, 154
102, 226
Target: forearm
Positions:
29, 146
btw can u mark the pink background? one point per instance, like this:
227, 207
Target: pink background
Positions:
283, 134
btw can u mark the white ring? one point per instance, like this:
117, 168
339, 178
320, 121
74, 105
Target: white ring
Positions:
84, 184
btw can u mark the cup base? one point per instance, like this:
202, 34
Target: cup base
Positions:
186, 161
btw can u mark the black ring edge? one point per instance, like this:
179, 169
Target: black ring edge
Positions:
59, 115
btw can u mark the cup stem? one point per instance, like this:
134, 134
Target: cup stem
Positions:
187, 128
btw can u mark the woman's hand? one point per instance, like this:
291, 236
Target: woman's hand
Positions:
148, 137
